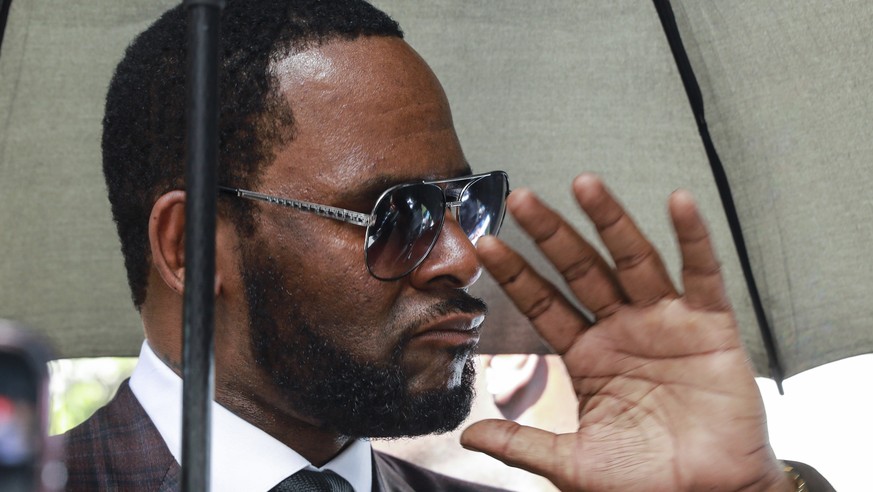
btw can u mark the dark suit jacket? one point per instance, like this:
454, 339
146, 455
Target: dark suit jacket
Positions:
120, 449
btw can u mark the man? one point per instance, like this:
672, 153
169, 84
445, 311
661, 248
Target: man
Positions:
345, 245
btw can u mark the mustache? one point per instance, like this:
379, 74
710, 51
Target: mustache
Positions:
460, 302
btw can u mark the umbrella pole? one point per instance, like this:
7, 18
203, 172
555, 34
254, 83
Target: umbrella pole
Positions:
200, 217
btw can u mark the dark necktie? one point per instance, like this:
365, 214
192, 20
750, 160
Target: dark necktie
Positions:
314, 481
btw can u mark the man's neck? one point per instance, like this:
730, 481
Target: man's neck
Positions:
247, 452
313, 442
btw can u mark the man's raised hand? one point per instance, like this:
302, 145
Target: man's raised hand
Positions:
667, 398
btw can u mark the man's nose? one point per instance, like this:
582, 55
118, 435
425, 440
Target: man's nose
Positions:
451, 263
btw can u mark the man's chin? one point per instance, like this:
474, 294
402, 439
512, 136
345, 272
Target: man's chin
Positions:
437, 399
434, 372
434, 412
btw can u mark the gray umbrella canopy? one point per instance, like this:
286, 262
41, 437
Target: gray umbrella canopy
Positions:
544, 91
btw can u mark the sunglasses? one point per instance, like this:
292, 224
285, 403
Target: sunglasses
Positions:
407, 218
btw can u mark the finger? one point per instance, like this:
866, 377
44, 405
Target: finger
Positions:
554, 318
639, 268
523, 447
701, 271
589, 277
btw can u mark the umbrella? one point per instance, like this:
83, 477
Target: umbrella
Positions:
759, 108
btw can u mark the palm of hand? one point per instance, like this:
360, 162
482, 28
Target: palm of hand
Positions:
661, 389
667, 400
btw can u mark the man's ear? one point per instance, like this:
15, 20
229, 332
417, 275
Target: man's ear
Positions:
167, 239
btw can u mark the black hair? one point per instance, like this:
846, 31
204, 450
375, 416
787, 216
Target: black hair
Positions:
144, 122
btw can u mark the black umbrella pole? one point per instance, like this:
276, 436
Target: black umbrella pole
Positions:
200, 217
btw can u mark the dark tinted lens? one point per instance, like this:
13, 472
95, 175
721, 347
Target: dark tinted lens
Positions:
408, 220
482, 206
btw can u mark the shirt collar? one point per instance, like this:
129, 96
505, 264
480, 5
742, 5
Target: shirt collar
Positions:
243, 456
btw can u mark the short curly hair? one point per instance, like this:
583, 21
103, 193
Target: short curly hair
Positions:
144, 121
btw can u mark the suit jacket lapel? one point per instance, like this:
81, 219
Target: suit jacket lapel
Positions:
387, 478
171, 482
118, 447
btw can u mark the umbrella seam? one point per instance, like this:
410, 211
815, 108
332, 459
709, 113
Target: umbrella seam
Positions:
695, 100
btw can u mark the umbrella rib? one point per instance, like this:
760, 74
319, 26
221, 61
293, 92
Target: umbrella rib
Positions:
695, 99
4, 15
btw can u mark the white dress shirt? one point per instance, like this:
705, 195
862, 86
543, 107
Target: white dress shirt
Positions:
243, 456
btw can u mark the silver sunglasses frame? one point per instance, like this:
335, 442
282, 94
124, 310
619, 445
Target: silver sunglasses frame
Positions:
366, 220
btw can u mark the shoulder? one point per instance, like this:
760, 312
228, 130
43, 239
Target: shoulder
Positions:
399, 475
118, 448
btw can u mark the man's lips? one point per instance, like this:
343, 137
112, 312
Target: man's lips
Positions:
452, 330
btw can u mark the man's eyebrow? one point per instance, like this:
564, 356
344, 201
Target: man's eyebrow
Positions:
369, 189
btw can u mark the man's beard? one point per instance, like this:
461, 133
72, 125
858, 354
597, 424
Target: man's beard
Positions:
327, 384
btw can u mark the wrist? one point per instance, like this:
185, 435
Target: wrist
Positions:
776, 479
788, 479
794, 478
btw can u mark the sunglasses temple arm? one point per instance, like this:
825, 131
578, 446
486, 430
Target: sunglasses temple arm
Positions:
335, 213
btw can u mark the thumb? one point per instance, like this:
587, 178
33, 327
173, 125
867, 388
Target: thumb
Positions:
531, 449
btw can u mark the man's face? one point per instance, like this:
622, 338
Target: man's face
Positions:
337, 347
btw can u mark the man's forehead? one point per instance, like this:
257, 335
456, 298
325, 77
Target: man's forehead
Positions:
307, 65
361, 60
367, 113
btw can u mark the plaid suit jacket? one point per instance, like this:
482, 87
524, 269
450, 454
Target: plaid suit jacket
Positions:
119, 449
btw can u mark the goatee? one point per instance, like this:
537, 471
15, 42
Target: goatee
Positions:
329, 385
